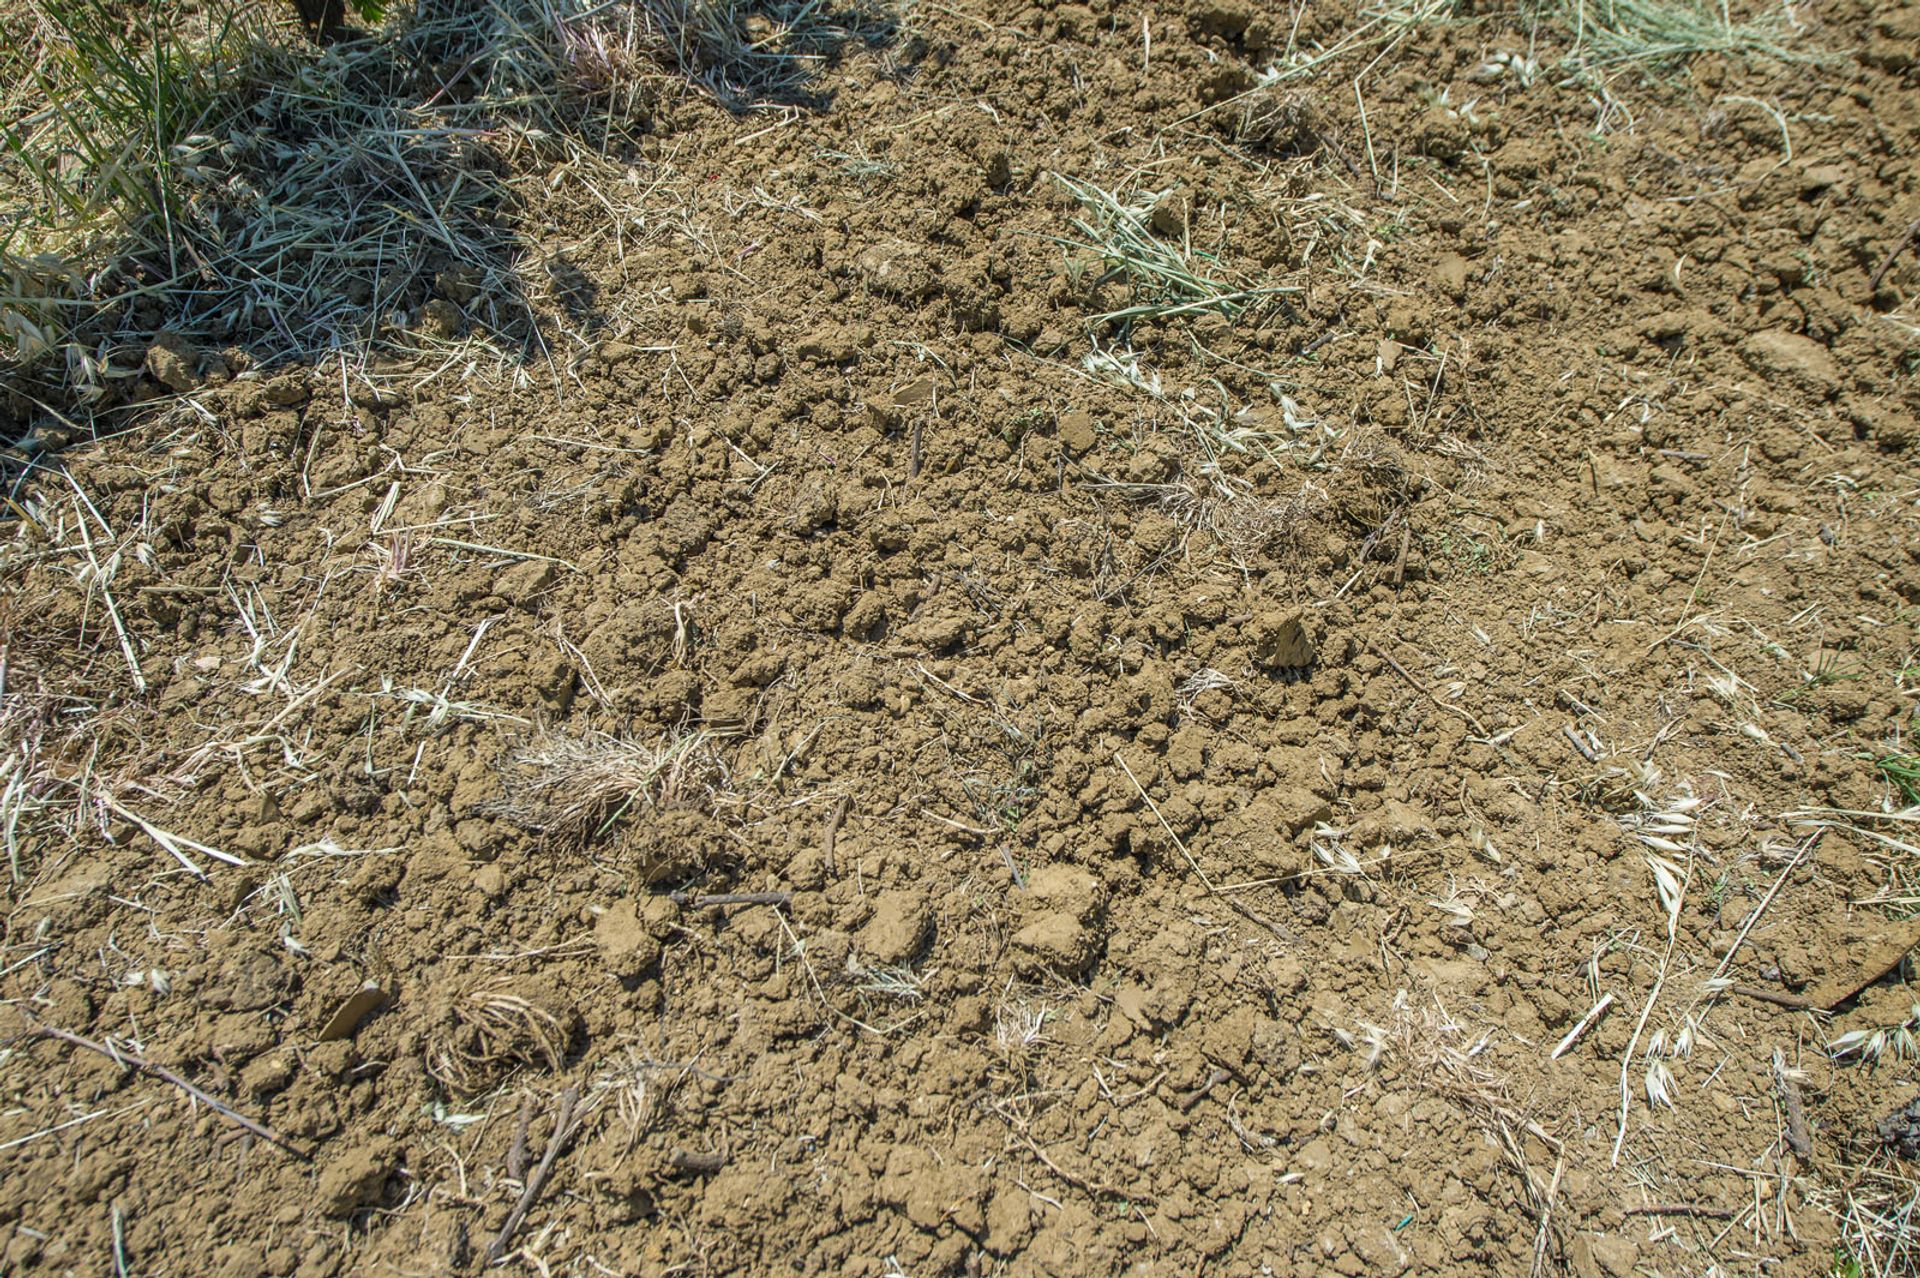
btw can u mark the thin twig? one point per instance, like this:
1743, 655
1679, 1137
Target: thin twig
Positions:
1587, 752
1799, 854
1585, 1023
1646, 1010
1233, 904
1095, 1187
562, 1132
1681, 1209
113, 609
517, 1152
121, 1056
831, 837
1421, 688
1187, 1100
1886, 263
731, 898
1790, 1102
1778, 998
119, 1242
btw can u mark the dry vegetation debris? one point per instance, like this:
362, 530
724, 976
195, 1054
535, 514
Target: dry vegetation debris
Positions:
967, 639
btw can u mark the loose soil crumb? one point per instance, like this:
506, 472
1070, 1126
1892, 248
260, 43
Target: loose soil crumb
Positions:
1207, 765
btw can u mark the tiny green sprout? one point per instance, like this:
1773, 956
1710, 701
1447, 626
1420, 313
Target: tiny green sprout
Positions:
1026, 422
1902, 771
1827, 669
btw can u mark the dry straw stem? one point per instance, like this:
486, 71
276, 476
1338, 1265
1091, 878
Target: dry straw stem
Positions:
563, 1129
121, 1056
1656, 827
1233, 903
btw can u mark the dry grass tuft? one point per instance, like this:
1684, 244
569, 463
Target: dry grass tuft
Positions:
212, 174
1878, 1208
1434, 1049
1282, 121
756, 55
580, 787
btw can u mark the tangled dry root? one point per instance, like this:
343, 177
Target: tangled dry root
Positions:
494, 1027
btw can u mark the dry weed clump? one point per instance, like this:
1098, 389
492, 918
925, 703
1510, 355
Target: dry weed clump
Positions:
579, 787
493, 1027
213, 175
1877, 1206
1282, 121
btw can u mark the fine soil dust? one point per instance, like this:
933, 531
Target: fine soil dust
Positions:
934, 756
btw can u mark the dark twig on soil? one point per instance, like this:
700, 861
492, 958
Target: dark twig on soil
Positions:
691, 901
562, 1133
1681, 1209
1323, 339
1792, 1106
1779, 998
831, 837
1886, 263
1187, 1100
698, 1164
517, 1152
121, 1056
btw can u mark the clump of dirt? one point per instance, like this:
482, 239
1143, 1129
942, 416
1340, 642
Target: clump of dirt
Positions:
899, 740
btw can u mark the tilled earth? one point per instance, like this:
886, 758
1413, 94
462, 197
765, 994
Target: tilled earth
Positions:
1172, 782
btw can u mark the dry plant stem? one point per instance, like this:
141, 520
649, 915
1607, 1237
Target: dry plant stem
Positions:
1584, 1024
1187, 1100
731, 898
1244, 910
1653, 996
831, 837
171, 843
113, 609
517, 1152
1791, 1104
1681, 1209
1421, 688
1542, 1236
119, 1242
1799, 854
1686, 609
562, 1132
1792, 1002
122, 1057
1094, 1187
813, 978
1586, 751
1886, 263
